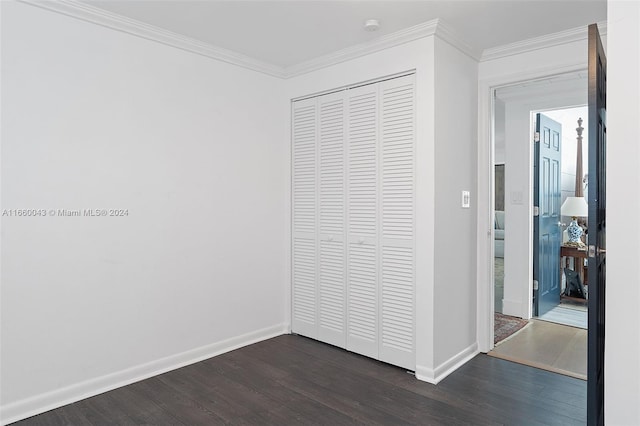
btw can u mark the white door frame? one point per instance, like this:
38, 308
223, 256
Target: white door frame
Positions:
486, 168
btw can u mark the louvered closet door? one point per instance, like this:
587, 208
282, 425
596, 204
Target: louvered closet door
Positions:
332, 270
397, 290
304, 193
362, 253
353, 220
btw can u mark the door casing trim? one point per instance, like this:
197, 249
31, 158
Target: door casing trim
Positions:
485, 182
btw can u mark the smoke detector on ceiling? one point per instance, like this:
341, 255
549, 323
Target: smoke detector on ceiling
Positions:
371, 25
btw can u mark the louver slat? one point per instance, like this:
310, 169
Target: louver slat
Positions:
304, 168
397, 298
363, 170
304, 189
397, 134
362, 264
332, 292
362, 316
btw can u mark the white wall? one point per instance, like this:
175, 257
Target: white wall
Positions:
195, 149
517, 206
416, 55
455, 152
568, 118
622, 332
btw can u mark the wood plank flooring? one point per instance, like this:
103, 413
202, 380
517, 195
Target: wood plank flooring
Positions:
294, 380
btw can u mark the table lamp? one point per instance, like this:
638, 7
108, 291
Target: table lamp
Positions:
574, 207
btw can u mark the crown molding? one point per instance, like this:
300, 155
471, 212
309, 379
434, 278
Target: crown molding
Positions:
448, 34
92, 14
542, 42
384, 42
95, 15
434, 27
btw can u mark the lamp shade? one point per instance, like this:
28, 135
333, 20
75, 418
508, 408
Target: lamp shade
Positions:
574, 207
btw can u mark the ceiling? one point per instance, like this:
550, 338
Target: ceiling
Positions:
286, 33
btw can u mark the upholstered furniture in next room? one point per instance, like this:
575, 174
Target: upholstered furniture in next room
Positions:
498, 233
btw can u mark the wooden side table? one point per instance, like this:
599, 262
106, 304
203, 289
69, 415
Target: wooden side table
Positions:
578, 255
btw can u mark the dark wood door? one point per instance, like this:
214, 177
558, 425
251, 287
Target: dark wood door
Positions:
597, 226
547, 235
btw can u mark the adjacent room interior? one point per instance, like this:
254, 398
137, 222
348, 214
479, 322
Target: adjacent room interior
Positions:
549, 112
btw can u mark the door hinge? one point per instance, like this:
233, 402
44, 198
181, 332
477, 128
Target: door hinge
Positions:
592, 251
535, 284
536, 211
536, 137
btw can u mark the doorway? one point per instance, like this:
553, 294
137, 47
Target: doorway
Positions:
596, 62
555, 336
512, 213
516, 108
544, 107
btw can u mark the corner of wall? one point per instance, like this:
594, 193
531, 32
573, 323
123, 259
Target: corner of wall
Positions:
436, 375
456, 89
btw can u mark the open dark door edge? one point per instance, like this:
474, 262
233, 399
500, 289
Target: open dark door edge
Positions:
597, 227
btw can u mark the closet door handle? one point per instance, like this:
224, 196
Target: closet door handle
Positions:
361, 240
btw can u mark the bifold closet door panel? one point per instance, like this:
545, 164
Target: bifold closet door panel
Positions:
362, 208
332, 211
304, 206
397, 289
353, 189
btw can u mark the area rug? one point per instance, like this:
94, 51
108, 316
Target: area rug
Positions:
505, 326
570, 316
548, 346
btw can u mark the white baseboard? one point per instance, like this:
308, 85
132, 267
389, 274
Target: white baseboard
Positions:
49, 400
436, 375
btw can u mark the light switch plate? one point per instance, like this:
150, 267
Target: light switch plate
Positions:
516, 197
466, 199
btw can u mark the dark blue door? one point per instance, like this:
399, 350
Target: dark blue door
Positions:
547, 234
597, 226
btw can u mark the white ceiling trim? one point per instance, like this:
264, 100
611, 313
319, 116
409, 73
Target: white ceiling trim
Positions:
117, 22
95, 15
448, 34
384, 42
426, 29
536, 43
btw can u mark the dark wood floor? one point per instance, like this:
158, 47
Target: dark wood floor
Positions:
294, 380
